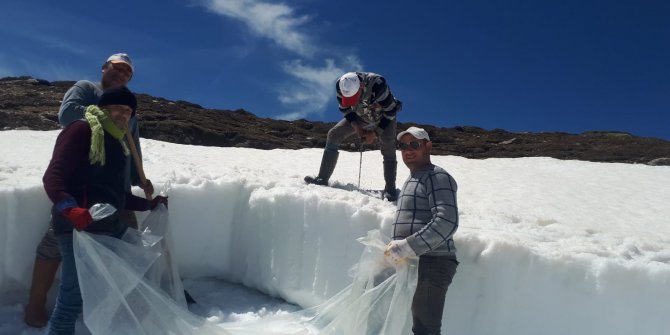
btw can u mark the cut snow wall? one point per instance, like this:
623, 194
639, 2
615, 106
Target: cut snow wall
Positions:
283, 240
24, 217
293, 243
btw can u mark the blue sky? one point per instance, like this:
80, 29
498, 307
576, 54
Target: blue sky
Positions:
523, 65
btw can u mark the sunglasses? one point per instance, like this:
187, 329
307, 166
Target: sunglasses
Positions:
413, 144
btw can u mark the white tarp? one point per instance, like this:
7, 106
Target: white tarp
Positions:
131, 286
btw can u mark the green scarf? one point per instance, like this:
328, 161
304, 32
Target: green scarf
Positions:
99, 120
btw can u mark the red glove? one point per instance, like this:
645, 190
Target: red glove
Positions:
80, 217
158, 200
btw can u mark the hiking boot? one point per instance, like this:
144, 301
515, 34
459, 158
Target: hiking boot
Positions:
189, 298
328, 162
316, 181
390, 168
390, 195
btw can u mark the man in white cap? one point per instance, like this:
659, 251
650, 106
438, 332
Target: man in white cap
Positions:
369, 110
426, 220
117, 71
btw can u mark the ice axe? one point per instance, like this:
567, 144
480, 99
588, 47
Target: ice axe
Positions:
143, 180
360, 162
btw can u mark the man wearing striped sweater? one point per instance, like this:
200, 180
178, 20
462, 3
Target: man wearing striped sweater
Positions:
369, 110
426, 220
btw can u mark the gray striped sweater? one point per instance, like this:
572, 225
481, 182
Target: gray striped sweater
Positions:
427, 214
375, 90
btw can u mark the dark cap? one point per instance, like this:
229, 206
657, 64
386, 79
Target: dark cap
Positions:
118, 96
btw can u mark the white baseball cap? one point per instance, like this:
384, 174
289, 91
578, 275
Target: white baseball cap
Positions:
349, 84
417, 132
350, 88
121, 58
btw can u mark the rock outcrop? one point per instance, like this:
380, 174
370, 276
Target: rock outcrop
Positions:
29, 103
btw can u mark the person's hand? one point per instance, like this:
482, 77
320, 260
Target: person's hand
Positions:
148, 188
79, 217
399, 251
359, 130
369, 137
157, 201
375, 107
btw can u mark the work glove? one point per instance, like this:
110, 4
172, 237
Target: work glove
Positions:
79, 217
153, 203
375, 107
399, 251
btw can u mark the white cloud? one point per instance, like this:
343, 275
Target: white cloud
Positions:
314, 89
277, 22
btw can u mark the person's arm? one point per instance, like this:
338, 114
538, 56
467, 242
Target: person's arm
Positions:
441, 191
384, 101
70, 153
135, 203
75, 101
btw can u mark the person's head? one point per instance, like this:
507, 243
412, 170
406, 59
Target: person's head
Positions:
415, 146
350, 87
120, 103
117, 71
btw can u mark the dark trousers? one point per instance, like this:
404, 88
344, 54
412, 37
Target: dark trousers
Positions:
343, 130
435, 275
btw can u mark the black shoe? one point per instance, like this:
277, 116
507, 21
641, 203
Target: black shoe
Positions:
391, 196
189, 298
316, 181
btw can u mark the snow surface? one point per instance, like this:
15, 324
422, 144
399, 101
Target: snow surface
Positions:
546, 246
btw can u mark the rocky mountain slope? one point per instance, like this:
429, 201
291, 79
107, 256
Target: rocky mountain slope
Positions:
28, 103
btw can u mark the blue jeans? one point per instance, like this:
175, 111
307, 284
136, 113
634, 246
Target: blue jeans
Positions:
435, 275
69, 303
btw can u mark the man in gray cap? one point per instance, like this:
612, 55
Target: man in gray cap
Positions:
426, 220
117, 71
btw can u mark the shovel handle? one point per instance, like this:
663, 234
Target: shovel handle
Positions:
138, 163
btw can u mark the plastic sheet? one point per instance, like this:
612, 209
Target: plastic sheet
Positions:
156, 236
131, 286
377, 302
101, 211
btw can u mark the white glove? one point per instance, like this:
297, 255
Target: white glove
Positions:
399, 251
